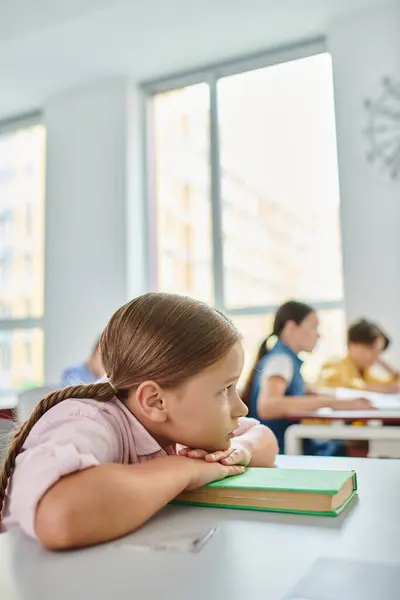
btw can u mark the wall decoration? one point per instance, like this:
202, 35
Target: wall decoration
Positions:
383, 128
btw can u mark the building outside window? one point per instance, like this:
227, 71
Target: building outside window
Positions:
22, 192
244, 184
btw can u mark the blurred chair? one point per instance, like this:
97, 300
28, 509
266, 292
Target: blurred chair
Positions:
7, 427
28, 399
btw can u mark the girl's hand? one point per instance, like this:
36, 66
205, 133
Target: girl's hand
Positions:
237, 454
203, 472
352, 404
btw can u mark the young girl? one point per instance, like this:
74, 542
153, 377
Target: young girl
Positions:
94, 462
366, 343
275, 387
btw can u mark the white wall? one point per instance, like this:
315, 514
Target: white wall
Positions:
87, 198
364, 50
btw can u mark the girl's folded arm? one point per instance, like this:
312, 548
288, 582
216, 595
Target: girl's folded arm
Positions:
68, 491
107, 501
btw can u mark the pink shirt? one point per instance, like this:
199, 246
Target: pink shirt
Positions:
72, 436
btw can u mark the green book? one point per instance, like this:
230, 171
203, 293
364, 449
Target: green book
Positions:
301, 491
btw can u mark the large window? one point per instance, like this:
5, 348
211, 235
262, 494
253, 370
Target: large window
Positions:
243, 183
22, 168
184, 250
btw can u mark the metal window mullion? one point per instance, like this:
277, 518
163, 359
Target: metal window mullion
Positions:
238, 64
29, 323
150, 208
12, 124
216, 203
270, 309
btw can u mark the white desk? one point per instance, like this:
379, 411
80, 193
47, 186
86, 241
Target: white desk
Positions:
253, 556
384, 442
387, 408
391, 416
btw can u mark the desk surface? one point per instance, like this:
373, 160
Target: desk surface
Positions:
386, 408
386, 416
253, 555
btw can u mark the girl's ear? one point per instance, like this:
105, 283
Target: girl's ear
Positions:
152, 401
289, 326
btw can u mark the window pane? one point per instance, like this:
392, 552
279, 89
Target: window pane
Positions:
279, 181
332, 343
182, 180
22, 170
21, 359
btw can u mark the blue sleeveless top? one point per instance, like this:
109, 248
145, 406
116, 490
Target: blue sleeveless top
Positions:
295, 387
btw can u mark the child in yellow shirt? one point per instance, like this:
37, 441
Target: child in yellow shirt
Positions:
363, 367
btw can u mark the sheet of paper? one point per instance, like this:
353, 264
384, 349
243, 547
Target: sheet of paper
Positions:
347, 579
380, 401
188, 542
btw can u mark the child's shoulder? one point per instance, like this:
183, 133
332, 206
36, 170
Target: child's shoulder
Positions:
85, 407
72, 409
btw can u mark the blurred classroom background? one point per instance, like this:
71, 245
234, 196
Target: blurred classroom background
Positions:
243, 153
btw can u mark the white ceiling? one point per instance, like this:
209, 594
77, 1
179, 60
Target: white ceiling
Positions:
49, 46
19, 17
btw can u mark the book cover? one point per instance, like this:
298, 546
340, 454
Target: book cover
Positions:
289, 480
284, 485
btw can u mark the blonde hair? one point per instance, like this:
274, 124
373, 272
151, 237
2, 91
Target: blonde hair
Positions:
161, 337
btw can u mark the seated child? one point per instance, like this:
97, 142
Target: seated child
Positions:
363, 367
94, 462
276, 390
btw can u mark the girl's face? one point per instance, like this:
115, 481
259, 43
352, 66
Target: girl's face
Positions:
366, 355
305, 336
204, 411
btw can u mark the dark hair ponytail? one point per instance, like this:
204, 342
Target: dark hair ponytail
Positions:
290, 311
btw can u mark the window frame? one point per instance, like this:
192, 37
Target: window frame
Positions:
211, 75
14, 323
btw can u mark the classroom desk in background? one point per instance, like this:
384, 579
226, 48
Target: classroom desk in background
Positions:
386, 408
328, 424
253, 555
391, 417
